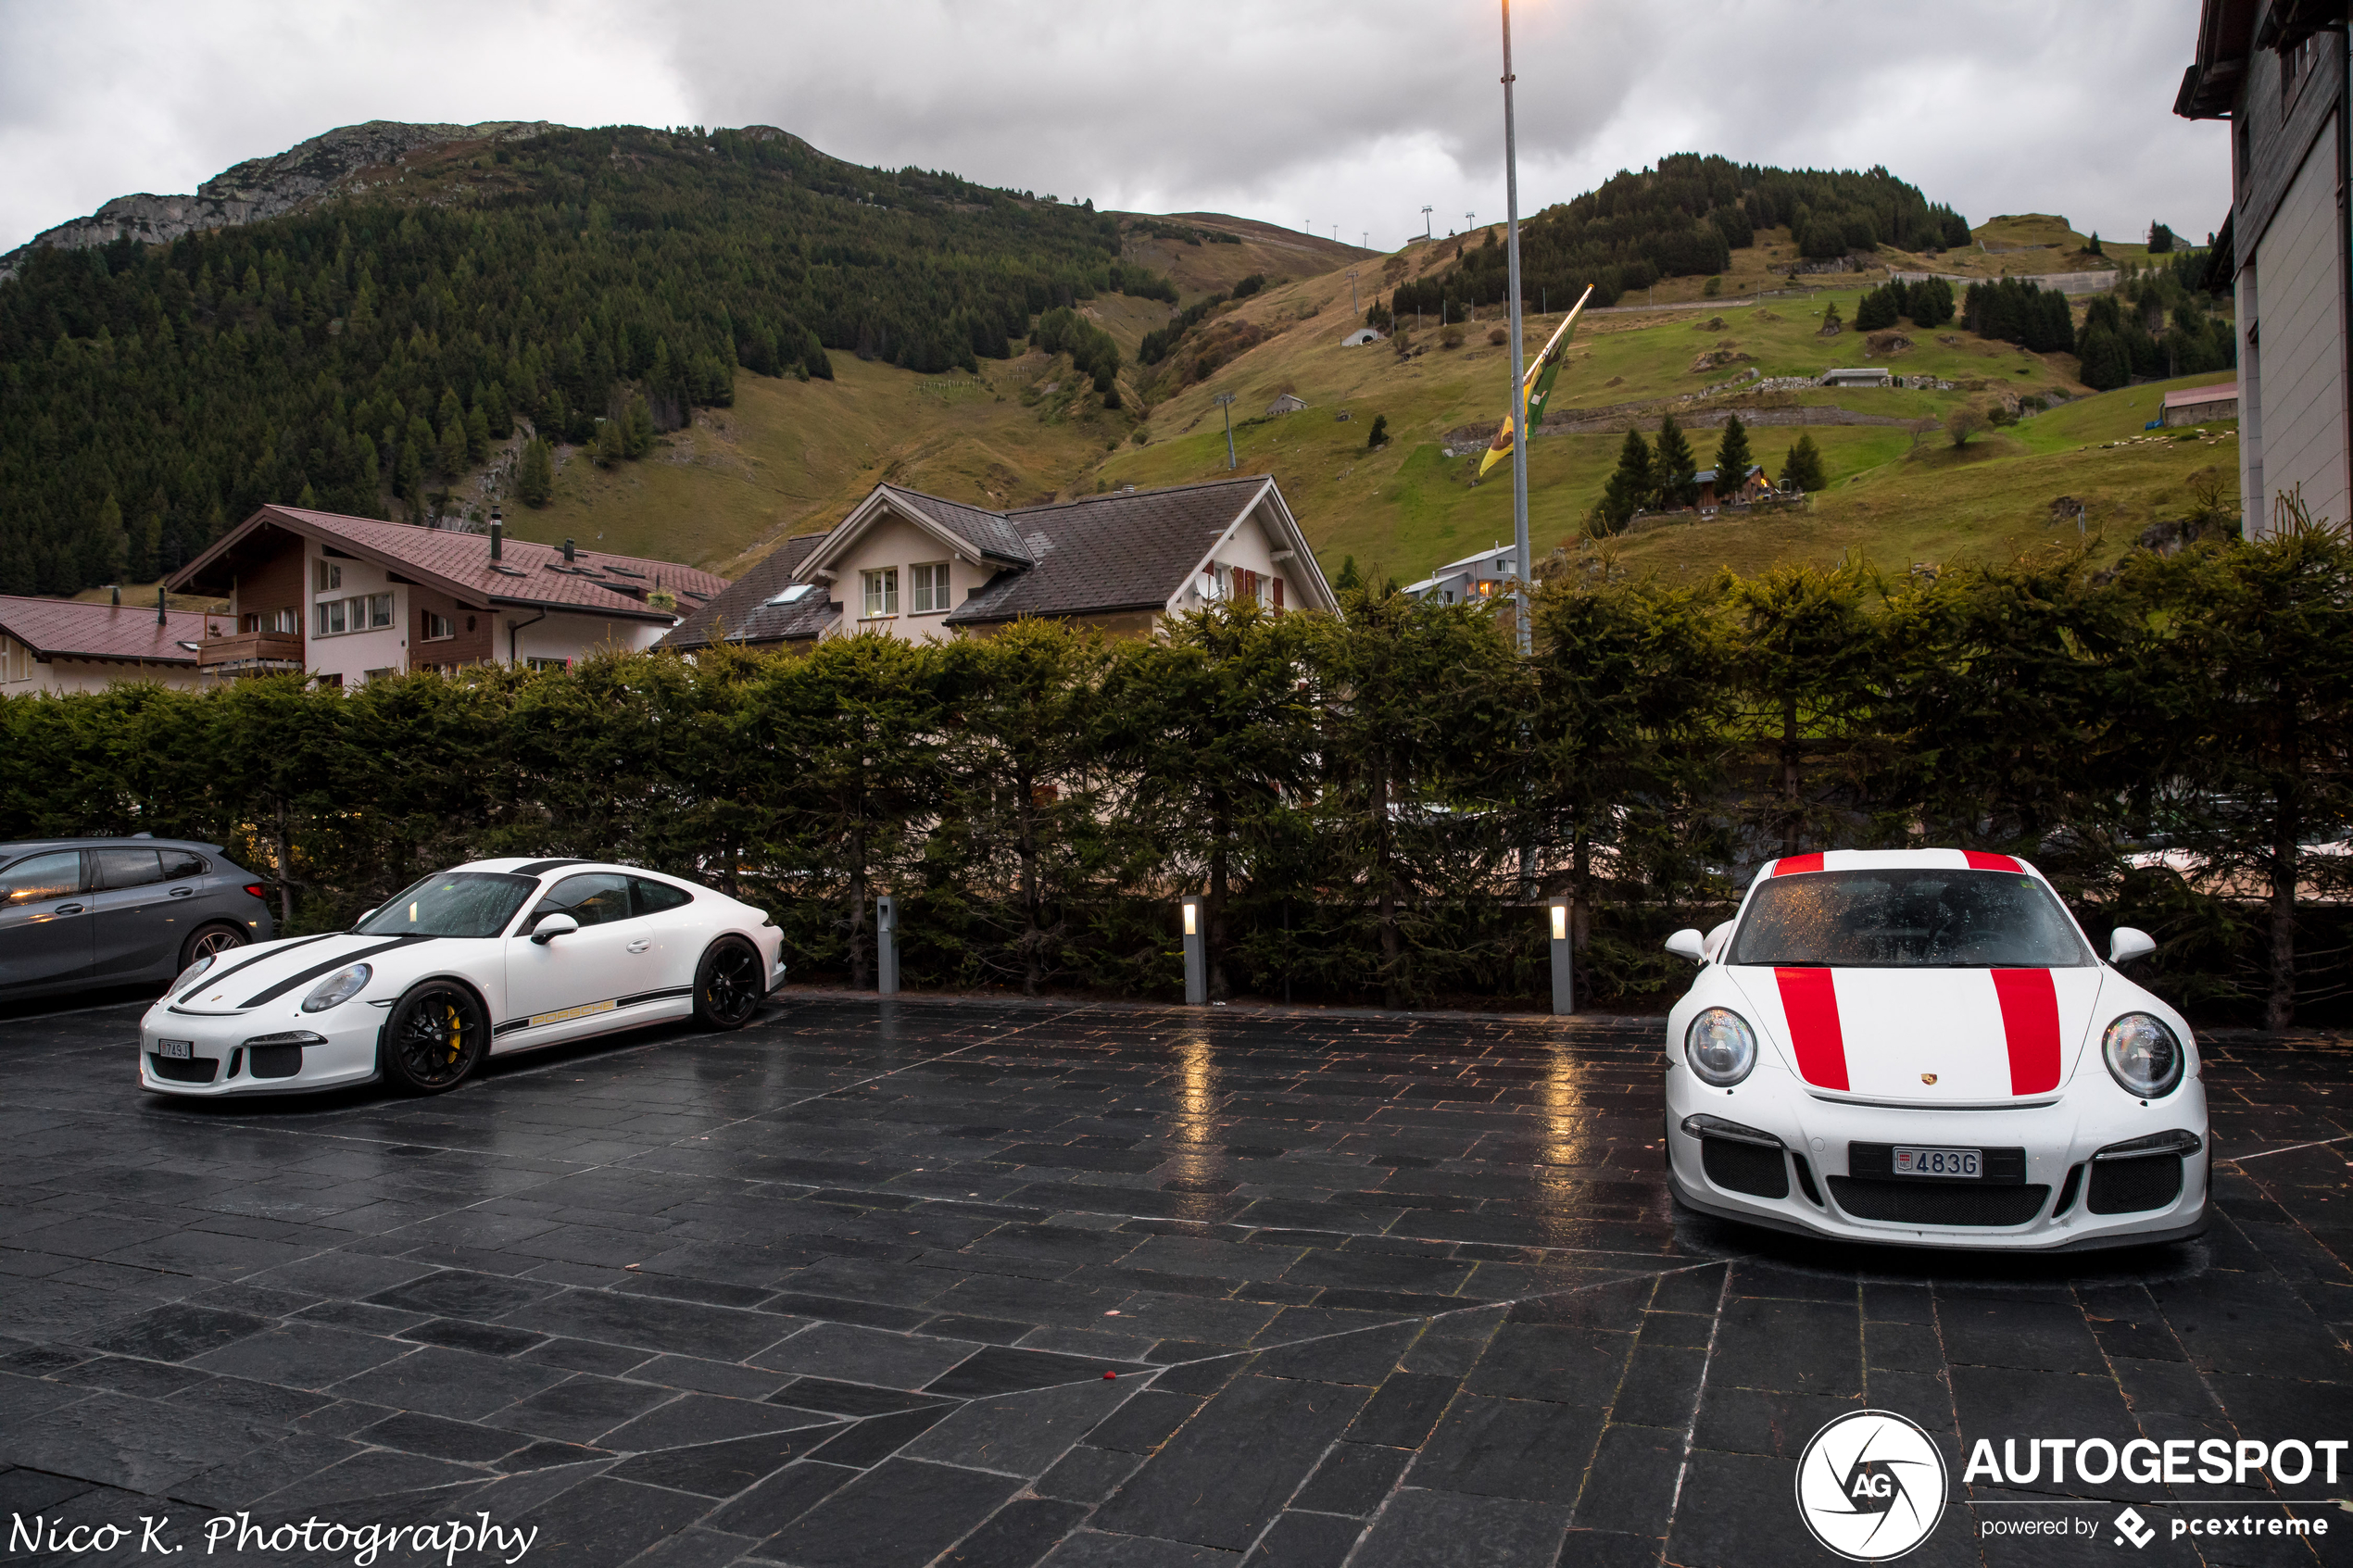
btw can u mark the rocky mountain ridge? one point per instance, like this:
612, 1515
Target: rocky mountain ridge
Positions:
264, 187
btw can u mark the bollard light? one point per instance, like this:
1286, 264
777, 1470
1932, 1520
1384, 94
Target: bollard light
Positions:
1564, 976
886, 946
1196, 962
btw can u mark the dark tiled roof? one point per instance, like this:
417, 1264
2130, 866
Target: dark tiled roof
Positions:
461, 565
987, 531
742, 614
1109, 552
70, 628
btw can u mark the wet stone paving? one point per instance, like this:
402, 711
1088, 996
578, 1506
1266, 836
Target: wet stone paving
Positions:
878, 1285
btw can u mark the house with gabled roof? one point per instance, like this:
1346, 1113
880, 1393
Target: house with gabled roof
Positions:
920, 567
349, 599
66, 646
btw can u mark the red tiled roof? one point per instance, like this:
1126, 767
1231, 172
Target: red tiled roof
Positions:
459, 564
70, 628
2190, 397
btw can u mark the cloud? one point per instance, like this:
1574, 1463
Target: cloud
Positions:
1348, 115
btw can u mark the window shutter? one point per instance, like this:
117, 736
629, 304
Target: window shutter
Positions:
1278, 595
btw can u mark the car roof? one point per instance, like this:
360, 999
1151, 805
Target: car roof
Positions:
531, 865
1892, 859
14, 847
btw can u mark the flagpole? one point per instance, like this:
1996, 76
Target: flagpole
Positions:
1526, 568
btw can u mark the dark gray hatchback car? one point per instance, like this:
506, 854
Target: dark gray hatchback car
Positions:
85, 912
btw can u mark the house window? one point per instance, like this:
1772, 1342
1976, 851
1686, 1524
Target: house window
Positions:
284, 621
326, 576
882, 592
929, 585
373, 676
16, 660
438, 628
546, 663
333, 617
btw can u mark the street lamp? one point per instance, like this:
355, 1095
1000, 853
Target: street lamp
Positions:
1226, 401
1519, 386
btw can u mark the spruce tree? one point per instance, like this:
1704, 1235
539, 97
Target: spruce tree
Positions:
536, 477
609, 450
1672, 466
1802, 469
637, 428
1733, 457
1348, 577
1631, 484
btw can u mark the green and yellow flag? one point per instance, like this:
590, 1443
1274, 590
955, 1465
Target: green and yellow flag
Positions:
1536, 388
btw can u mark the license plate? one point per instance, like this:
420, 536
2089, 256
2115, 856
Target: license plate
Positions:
1967, 1163
180, 1048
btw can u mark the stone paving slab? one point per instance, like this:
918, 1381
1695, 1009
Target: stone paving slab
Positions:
842, 1290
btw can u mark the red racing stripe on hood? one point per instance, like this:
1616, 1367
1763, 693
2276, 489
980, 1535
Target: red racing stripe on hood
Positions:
2031, 1023
1810, 1003
1789, 865
1979, 860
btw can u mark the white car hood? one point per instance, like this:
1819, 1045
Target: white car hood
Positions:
1926, 1036
255, 978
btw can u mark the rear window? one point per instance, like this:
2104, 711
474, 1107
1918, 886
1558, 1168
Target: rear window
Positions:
1912, 918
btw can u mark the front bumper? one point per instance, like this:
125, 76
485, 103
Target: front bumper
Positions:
261, 1052
2053, 1208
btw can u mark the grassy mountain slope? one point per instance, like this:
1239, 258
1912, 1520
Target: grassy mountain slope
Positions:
792, 456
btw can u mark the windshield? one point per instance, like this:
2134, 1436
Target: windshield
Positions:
453, 904
1909, 919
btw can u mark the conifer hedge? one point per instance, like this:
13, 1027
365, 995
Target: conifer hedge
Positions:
1353, 795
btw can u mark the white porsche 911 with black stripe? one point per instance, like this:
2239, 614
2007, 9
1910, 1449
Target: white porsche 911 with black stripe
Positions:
493, 957
1920, 1048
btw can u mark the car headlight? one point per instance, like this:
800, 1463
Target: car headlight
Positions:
2143, 1055
337, 988
1720, 1047
195, 972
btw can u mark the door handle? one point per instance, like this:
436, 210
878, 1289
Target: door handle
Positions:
67, 909
183, 893
640, 944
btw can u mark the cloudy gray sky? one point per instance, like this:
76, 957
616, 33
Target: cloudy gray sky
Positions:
1347, 116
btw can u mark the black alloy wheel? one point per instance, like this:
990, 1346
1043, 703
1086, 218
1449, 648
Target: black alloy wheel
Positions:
210, 941
727, 984
436, 1037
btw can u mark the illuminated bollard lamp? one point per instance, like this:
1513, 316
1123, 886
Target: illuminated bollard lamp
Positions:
1563, 976
1196, 961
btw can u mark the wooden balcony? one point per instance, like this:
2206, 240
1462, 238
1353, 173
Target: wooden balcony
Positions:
250, 653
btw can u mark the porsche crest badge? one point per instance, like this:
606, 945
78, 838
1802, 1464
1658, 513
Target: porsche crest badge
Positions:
1928, 1077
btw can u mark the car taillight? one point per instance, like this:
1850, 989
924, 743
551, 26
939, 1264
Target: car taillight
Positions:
253, 889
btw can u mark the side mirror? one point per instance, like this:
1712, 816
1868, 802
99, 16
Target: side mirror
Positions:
552, 926
1716, 940
2127, 943
362, 918
1688, 944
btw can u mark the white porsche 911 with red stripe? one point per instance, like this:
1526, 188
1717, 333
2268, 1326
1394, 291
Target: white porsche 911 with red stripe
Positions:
1920, 1048
492, 957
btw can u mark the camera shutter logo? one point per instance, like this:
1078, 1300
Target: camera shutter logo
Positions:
1870, 1486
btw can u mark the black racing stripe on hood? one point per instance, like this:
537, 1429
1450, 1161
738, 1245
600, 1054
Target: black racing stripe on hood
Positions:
210, 979
541, 868
339, 961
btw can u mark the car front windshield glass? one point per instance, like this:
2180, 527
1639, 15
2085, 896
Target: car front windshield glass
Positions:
1911, 918
453, 904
